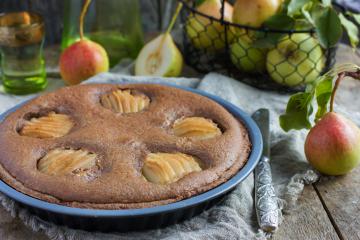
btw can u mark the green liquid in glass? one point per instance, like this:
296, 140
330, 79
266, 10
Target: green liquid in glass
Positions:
23, 69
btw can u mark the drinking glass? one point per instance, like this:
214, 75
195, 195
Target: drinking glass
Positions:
21, 47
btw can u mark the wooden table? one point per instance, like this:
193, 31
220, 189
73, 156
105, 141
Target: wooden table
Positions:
329, 209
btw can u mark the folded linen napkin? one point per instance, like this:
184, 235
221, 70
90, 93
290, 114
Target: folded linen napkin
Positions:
234, 217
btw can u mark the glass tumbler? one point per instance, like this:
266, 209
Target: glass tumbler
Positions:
21, 47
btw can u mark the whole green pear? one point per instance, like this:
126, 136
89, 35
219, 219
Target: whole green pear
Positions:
333, 145
296, 59
246, 57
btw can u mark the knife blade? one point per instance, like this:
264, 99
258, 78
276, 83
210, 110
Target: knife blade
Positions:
267, 209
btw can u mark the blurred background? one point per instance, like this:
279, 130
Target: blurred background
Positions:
155, 14
207, 44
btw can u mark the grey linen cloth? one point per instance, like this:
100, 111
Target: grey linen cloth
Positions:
234, 217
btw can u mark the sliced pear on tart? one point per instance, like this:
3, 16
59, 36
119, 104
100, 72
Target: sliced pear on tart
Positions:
52, 125
165, 168
67, 161
196, 127
124, 101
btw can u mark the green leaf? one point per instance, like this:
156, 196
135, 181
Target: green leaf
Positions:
307, 15
298, 112
302, 24
295, 6
284, 6
326, 3
327, 26
199, 2
279, 21
300, 105
323, 92
351, 30
356, 16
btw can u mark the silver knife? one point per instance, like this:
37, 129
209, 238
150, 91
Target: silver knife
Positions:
267, 209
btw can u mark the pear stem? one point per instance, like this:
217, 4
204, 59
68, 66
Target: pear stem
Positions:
173, 19
337, 83
341, 76
82, 16
169, 28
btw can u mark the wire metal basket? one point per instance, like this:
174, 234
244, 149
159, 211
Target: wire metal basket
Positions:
216, 44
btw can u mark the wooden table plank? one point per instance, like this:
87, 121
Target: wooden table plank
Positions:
308, 221
341, 196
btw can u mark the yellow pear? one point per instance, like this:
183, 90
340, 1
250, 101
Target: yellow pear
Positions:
159, 57
254, 12
209, 34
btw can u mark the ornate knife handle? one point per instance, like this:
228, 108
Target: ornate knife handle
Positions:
266, 205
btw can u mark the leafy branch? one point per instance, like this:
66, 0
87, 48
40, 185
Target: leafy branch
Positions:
300, 107
314, 14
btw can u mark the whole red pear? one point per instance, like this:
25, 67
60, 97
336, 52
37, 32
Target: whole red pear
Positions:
82, 60
333, 145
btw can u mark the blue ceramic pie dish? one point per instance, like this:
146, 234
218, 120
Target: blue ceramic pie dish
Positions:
144, 218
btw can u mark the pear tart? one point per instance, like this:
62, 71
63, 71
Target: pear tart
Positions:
109, 146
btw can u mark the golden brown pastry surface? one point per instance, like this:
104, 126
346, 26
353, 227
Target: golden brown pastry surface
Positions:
161, 145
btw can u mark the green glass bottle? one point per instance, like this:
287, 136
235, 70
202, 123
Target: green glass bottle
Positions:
114, 24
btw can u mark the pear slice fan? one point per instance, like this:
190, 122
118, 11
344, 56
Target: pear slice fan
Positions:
165, 168
50, 126
196, 127
67, 161
160, 57
124, 101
